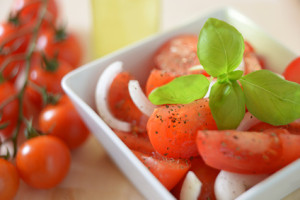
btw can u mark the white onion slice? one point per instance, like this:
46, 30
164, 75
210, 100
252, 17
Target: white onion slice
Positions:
103, 85
191, 187
247, 122
210, 85
229, 186
139, 98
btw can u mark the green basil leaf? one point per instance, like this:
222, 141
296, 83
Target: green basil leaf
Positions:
235, 75
220, 47
181, 90
227, 104
270, 98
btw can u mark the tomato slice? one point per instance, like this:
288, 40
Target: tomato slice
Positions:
168, 171
293, 128
120, 102
178, 54
136, 141
248, 152
172, 129
206, 174
292, 71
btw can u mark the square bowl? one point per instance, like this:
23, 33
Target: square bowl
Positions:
80, 86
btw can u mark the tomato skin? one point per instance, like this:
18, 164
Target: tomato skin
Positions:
292, 71
9, 180
167, 171
178, 54
172, 129
67, 49
63, 121
10, 111
51, 80
293, 128
43, 161
248, 152
120, 102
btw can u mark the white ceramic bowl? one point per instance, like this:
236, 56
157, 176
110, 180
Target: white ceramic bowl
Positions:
80, 85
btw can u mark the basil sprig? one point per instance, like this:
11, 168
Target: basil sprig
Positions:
220, 50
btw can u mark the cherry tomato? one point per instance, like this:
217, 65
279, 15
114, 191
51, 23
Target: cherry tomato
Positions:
172, 129
292, 71
63, 121
9, 114
64, 45
9, 42
28, 11
206, 174
43, 162
248, 152
9, 180
48, 76
178, 54
168, 171
120, 102
136, 141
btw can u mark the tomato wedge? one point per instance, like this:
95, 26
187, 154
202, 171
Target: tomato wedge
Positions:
178, 54
168, 171
172, 129
292, 71
248, 152
293, 128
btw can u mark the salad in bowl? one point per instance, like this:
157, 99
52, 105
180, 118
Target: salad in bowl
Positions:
196, 113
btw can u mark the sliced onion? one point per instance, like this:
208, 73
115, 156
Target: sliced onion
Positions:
102, 88
210, 85
231, 185
139, 98
247, 122
191, 187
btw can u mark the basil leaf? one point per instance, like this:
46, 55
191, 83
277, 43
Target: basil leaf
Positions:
270, 98
235, 75
227, 104
220, 47
181, 90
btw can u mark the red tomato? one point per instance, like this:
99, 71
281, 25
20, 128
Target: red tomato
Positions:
63, 121
28, 11
13, 69
206, 174
66, 47
43, 162
248, 48
12, 43
47, 77
120, 102
136, 141
9, 180
178, 54
168, 171
158, 78
9, 114
248, 152
252, 63
172, 129
293, 128
292, 71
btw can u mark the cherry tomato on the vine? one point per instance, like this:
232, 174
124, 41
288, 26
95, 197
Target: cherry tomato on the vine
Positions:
9, 113
63, 121
43, 161
9, 180
27, 12
59, 43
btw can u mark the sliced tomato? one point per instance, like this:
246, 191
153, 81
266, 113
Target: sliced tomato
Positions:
252, 63
248, 48
158, 78
178, 54
136, 141
292, 71
206, 174
120, 102
293, 128
248, 152
168, 171
172, 129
